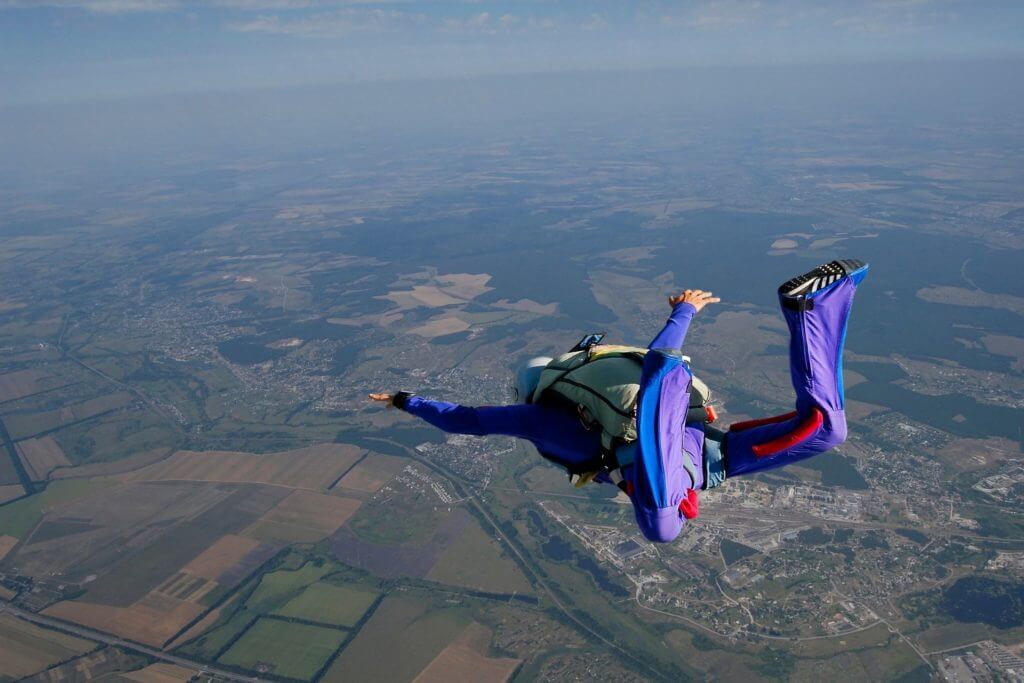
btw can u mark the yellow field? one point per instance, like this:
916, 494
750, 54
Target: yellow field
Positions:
151, 620
303, 517
463, 660
372, 473
41, 456
6, 543
314, 467
161, 672
26, 649
439, 327
221, 556
465, 285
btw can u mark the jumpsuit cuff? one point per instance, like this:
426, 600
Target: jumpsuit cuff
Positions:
401, 399
714, 457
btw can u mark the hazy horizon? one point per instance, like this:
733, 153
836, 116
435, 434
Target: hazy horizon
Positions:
80, 50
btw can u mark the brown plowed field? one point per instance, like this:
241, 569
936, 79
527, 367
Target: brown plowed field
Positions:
314, 467
304, 517
372, 473
463, 660
228, 551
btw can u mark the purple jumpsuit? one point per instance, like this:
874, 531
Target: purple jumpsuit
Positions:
817, 424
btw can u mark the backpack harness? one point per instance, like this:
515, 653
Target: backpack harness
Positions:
600, 383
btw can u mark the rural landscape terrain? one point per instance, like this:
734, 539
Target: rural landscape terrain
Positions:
194, 484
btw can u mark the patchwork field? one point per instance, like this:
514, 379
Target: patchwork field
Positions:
23, 425
303, 517
133, 575
130, 538
422, 630
329, 604
41, 456
464, 661
315, 467
284, 649
26, 649
19, 518
274, 590
103, 469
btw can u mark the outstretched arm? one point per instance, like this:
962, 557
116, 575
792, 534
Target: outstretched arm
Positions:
684, 307
558, 434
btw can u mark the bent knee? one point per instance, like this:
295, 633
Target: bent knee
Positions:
660, 526
833, 430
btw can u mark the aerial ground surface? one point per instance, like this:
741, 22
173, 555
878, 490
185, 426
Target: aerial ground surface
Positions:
193, 478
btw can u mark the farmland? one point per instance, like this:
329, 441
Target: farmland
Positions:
313, 468
41, 456
423, 632
284, 649
26, 649
304, 517
329, 604
464, 660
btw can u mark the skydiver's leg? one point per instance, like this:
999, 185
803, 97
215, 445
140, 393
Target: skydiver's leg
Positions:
816, 307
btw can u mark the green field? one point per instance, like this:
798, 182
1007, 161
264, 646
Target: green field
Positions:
422, 630
273, 592
477, 561
329, 604
278, 586
17, 519
26, 649
290, 650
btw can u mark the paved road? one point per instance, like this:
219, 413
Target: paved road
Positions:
50, 622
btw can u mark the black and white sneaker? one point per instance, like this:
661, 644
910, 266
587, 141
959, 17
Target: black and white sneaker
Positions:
820, 277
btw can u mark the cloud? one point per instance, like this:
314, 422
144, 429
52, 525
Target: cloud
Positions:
97, 6
330, 24
717, 15
595, 22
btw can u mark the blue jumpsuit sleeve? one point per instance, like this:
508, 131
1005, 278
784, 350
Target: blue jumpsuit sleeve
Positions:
512, 420
558, 434
673, 334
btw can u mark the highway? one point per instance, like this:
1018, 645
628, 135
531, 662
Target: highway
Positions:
107, 639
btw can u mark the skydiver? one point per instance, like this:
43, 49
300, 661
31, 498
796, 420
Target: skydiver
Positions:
816, 307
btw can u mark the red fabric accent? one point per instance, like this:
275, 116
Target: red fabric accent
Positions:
712, 415
689, 507
740, 426
806, 429
629, 488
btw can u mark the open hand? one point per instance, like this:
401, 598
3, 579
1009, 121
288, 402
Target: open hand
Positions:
388, 399
697, 298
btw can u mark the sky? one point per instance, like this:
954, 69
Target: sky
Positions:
63, 51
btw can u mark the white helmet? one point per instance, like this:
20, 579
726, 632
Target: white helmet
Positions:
528, 377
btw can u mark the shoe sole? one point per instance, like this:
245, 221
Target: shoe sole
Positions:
819, 278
